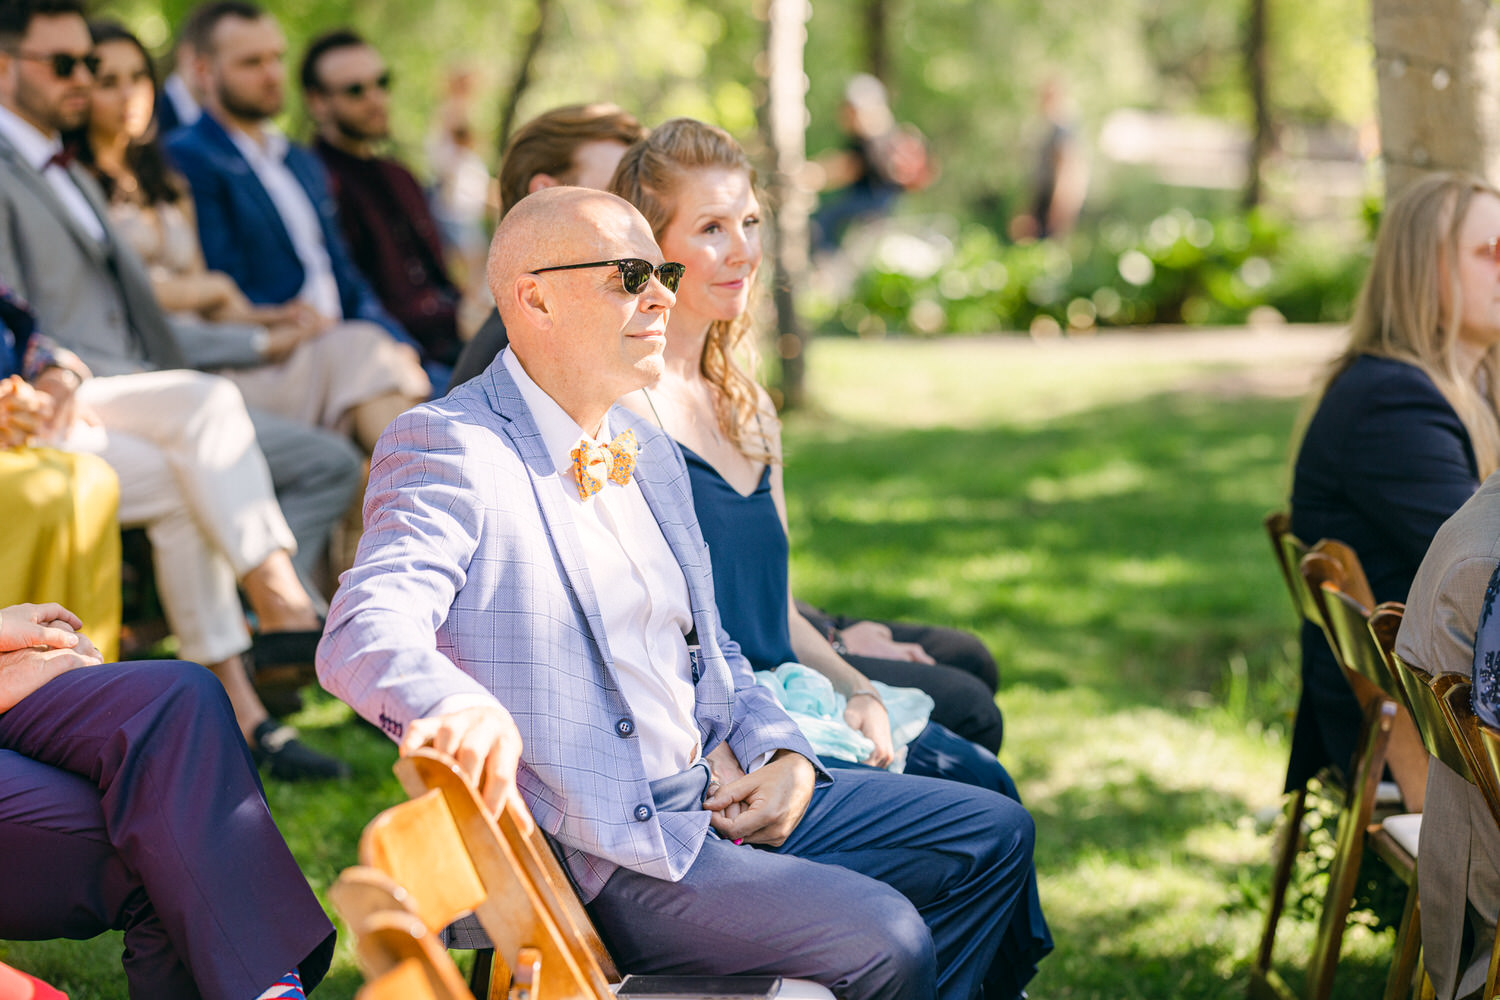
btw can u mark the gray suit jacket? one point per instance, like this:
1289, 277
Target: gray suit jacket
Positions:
1459, 873
94, 298
470, 577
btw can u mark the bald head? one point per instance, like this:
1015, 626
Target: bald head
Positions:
580, 335
559, 225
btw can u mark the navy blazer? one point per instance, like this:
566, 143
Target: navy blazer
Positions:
242, 232
1384, 463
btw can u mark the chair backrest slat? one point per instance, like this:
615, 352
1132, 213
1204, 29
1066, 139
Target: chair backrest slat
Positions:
1424, 697
520, 908
1347, 620
405, 961
418, 844
1289, 550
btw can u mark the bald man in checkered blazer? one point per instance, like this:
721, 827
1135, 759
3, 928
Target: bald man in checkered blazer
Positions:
562, 643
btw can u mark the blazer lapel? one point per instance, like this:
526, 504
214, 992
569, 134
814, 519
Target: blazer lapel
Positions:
247, 181
45, 193
519, 426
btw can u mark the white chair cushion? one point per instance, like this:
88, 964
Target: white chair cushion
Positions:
1387, 794
802, 989
791, 989
1404, 829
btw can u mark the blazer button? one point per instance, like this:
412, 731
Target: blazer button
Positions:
642, 813
625, 727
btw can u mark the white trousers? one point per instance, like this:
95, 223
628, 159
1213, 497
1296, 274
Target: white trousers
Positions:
191, 472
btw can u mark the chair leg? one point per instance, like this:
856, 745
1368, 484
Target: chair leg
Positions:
1354, 818
1492, 981
1400, 982
490, 979
1263, 980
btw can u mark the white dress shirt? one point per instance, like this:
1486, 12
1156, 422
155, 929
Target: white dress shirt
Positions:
38, 149
175, 89
642, 593
320, 289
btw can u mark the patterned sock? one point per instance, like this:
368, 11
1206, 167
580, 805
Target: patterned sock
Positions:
288, 987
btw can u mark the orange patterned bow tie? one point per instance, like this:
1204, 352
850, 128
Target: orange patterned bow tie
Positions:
594, 462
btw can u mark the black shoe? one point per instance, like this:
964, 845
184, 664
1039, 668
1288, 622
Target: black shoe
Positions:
281, 664
290, 758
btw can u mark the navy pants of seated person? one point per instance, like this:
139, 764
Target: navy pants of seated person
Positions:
129, 800
892, 886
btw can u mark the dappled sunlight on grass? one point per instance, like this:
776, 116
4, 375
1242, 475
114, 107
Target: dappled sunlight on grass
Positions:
1112, 555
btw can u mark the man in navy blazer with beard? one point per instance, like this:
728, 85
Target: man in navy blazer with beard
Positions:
265, 214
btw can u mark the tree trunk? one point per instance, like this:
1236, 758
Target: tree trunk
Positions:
877, 40
1256, 58
785, 124
1437, 63
523, 71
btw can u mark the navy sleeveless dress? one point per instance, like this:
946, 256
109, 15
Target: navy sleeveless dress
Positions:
749, 550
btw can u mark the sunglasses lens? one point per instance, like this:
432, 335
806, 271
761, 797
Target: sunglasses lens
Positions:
91, 63
670, 275
634, 274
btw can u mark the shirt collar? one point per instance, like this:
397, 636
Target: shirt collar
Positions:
560, 432
34, 146
274, 150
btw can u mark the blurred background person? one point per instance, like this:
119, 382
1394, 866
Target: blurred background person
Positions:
881, 160
1061, 177
462, 191
348, 377
384, 214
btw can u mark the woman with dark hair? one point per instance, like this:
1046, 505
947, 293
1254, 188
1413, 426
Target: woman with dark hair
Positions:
347, 376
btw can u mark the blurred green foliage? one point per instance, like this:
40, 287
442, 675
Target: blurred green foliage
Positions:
965, 71
1177, 268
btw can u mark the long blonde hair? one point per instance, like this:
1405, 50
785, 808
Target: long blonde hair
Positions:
648, 178
1400, 313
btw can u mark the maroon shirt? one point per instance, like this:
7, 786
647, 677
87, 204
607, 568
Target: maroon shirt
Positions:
391, 235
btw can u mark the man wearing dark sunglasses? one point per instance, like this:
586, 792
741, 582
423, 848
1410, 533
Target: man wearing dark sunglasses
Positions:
534, 597
384, 214
265, 215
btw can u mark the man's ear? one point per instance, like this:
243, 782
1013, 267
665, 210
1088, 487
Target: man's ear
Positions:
532, 301
539, 181
316, 106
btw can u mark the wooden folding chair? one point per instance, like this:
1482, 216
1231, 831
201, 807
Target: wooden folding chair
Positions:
529, 909
1347, 625
1438, 722
1488, 770
412, 962
447, 855
1395, 838
1336, 563
1480, 746
1265, 982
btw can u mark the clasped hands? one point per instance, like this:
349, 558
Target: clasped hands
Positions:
762, 807
37, 643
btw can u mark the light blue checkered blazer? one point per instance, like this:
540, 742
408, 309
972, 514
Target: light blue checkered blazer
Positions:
470, 577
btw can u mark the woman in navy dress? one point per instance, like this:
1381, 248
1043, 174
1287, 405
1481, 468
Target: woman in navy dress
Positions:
694, 185
1404, 430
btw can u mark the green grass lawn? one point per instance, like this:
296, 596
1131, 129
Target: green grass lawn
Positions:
1093, 511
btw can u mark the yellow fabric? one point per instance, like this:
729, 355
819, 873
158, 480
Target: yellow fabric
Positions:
62, 539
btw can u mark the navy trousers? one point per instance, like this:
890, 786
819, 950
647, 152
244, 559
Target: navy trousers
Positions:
892, 886
128, 800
